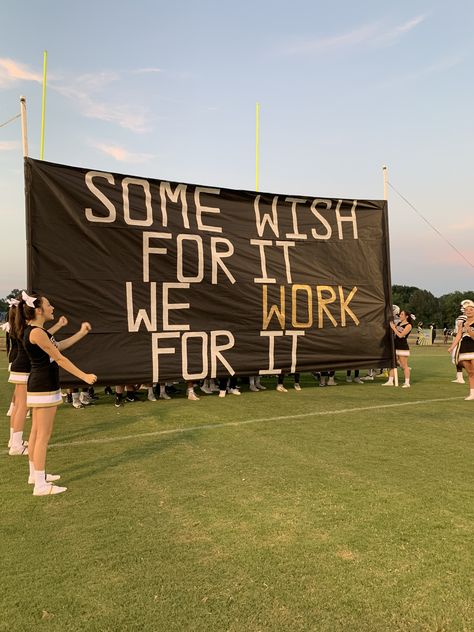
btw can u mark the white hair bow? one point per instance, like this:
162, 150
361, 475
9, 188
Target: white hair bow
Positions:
413, 317
29, 300
12, 302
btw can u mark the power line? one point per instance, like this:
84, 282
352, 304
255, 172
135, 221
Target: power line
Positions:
431, 225
10, 120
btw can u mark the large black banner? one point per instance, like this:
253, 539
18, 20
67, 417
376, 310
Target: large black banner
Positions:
181, 280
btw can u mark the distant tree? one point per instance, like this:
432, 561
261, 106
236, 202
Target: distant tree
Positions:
425, 306
401, 295
451, 305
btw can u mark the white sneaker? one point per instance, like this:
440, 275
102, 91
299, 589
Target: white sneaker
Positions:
406, 385
206, 389
388, 384
281, 389
222, 393
234, 391
254, 388
10, 409
18, 450
48, 490
297, 387
164, 396
192, 396
77, 404
469, 398
50, 478
332, 382
349, 379
151, 398
85, 399
456, 381
261, 387
367, 378
358, 380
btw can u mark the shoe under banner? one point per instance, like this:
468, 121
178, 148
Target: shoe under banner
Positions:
188, 281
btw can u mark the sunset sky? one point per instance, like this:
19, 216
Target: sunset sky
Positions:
168, 90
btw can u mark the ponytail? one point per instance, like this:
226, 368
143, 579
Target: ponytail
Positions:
11, 320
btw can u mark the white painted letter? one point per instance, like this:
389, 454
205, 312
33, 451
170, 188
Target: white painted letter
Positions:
205, 209
105, 200
148, 221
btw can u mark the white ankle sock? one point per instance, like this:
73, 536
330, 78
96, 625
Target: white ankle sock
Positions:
162, 390
40, 478
17, 439
11, 434
390, 380
32, 468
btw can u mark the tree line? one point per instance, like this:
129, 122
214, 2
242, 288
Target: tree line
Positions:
426, 307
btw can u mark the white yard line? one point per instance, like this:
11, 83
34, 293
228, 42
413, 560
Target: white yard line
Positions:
243, 422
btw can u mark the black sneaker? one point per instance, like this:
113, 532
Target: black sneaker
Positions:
108, 390
132, 397
118, 400
69, 398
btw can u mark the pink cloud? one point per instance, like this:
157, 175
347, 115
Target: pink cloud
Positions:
121, 154
12, 71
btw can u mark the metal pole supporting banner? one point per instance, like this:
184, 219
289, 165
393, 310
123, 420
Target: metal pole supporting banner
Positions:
257, 131
385, 197
24, 130
43, 104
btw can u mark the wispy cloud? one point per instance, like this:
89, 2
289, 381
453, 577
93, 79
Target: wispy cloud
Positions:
84, 93
12, 71
146, 70
439, 66
373, 34
9, 145
121, 154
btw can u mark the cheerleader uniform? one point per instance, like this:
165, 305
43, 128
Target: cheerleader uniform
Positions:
20, 364
12, 345
401, 344
466, 348
43, 383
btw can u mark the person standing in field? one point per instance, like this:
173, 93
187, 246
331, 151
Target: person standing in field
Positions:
402, 350
460, 320
465, 339
43, 391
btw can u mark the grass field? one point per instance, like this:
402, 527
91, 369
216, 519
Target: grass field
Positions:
333, 509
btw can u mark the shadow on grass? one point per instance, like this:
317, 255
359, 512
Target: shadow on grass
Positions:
99, 464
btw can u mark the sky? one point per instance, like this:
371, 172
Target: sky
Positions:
168, 91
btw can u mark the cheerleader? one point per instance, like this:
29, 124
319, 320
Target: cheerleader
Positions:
402, 331
460, 320
20, 370
12, 349
464, 345
43, 392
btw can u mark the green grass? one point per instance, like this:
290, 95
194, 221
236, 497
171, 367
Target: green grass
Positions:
358, 521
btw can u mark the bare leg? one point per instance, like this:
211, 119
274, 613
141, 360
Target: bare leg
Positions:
44, 428
19, 412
